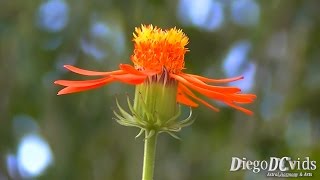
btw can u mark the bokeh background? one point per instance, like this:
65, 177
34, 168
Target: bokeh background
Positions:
274, 44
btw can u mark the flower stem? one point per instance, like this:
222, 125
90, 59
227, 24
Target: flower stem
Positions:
149, 156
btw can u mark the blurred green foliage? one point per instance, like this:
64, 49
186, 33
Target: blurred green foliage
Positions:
87, 143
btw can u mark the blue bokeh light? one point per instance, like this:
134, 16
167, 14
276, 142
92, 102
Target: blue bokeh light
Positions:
34, 155
216, 17
104, 39
245, 12
236, 63
90, 48
236, 57
99, 30
199, 11
24, 124
11, 162
204, 14
53, 15
247, 83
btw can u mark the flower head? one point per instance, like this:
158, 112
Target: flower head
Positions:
158, 56
155, 48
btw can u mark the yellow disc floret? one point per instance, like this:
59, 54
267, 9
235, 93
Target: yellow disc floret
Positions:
155, 49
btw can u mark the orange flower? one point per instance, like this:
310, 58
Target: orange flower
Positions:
157, 52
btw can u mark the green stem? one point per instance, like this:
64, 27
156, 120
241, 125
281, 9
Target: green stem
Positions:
149, 156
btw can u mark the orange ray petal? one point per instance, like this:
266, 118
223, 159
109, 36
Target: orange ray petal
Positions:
129, 69
206, 86
91, 73
243, 98
186, 90
70, 89
183, 99
83, 83
208, 93
204, 79
130, 78
240, 108
190, 93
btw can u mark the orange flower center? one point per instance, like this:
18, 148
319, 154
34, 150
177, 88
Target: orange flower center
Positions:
155, 49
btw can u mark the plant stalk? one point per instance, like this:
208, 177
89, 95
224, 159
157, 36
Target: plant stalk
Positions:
149, 156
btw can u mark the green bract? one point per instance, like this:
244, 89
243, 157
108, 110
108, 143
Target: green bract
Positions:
155, 109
